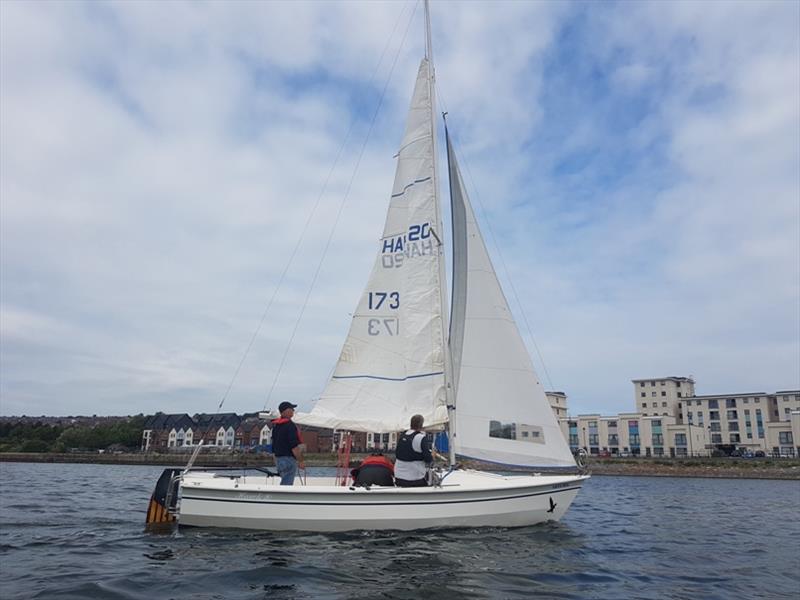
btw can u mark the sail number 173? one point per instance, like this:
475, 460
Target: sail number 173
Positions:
376, 300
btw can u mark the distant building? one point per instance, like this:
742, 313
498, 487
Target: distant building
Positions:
662, 396
752, 420
633, 434
163, 431
670, 420
558, 402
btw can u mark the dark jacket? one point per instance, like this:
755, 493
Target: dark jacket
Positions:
284, 437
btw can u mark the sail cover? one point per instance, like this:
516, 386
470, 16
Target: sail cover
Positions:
502, 412
392, 363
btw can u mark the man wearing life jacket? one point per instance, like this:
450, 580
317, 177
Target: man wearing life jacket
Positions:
375, 469
413, 456
286, 442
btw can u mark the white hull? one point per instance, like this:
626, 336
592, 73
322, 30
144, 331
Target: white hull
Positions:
466, 499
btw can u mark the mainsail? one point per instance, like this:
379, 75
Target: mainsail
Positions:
502, 412
392, 363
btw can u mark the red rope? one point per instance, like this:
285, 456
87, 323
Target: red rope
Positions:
343, 463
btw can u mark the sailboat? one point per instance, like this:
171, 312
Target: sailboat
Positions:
470, 375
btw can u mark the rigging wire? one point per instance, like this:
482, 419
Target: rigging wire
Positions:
500, 253
341, 207
289, 263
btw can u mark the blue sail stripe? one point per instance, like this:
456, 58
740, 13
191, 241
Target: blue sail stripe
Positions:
405, 189
387, 378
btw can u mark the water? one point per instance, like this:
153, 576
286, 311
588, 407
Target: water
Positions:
76, 531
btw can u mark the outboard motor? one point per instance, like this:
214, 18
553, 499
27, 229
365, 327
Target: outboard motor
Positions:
164, 501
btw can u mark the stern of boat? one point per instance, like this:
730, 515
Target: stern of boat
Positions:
162, 509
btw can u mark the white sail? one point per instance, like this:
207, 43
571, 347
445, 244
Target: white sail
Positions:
502, 413
392, 363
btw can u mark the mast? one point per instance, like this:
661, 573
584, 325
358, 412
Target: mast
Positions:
448, 363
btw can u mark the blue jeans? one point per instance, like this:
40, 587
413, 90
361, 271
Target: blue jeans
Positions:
287, 469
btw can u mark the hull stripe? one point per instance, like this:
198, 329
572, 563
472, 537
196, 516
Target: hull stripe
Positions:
356, 504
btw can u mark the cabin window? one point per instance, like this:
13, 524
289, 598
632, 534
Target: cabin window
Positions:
516, 431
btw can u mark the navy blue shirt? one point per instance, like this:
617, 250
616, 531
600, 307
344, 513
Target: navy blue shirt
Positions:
284, 437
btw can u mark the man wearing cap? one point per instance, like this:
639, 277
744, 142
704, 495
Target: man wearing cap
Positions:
286, 444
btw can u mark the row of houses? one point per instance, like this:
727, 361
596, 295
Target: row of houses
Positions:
669, 420
248, 432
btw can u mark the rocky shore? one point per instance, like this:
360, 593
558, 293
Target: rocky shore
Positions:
735, 468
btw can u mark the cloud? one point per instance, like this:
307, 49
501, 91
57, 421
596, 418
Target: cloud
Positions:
638, 165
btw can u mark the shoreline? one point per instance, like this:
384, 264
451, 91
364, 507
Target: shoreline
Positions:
711, 468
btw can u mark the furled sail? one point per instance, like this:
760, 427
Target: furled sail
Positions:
392, 363
502, 412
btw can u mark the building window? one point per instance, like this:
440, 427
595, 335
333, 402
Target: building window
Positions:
665, 383
641, 383
644, 404
735, 439
652, 384
713, 404
713, 415
612, 424
733, 426
745, 400
680, 395
757, 400
664, 404
653, 394
698, 402
730, 403
716, 438
680, 439
663, 393
731, 415
785, 437
715, 427
644, 394
655, 404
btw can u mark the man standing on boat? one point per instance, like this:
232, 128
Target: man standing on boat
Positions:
413, 456
286, 444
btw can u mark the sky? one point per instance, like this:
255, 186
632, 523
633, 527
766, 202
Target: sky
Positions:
635, 167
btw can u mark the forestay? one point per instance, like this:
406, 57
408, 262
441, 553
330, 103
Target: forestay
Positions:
392, 362
502, 412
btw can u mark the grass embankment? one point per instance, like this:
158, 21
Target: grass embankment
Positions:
738, 468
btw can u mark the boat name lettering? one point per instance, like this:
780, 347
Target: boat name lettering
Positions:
415, 233
253, 496
394, 260
557, 486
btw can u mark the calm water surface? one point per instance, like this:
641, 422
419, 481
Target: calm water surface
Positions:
76, 531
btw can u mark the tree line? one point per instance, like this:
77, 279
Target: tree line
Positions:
42, 437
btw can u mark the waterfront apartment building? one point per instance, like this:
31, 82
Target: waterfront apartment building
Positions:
670, 420
634, 434
662, 396
558, 402
753, 420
